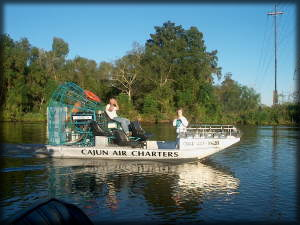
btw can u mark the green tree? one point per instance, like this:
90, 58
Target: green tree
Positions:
229, 94
105, 71
173, 69
60, 48
176, 59
55, 59
39, 83
126, 107
15, 70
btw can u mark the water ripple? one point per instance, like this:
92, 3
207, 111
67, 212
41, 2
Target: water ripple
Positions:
254, 180
24, 168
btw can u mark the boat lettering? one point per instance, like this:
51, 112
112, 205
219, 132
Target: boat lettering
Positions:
123, 153
155, 154
136, 153
94, 152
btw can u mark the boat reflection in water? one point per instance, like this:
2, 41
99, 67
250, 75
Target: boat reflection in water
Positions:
102, 187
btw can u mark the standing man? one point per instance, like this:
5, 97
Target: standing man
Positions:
111, 110
180, 122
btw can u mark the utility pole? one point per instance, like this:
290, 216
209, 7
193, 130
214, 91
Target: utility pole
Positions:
275, 13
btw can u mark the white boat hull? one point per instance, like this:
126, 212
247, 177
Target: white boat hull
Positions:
155, 150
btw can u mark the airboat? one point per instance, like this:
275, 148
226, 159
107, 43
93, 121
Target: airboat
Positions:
78, 127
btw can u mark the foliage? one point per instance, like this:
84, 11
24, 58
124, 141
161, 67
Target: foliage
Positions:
172, 69
150, 105
126, 107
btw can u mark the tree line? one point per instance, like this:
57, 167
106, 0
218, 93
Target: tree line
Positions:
172, 69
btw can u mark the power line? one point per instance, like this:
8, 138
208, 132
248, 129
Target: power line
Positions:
286, 30
265, 57
297, 67
285, 40
261, 51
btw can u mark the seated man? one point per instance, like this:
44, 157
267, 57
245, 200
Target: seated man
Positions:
111, 110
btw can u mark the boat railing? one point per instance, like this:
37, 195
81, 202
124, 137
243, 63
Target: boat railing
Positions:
210, 131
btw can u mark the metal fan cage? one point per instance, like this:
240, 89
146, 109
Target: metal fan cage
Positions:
67, 104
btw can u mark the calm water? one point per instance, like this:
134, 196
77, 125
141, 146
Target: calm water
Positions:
254, 180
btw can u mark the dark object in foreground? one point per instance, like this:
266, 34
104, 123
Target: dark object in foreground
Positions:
52, 212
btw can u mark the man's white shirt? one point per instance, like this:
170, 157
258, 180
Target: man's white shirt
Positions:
112, 114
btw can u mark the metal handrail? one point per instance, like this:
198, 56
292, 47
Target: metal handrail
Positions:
213, 130
212, 125
210, 128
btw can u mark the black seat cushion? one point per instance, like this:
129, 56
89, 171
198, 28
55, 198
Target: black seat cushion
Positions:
120, 138
138, 131
52, 212
98, 131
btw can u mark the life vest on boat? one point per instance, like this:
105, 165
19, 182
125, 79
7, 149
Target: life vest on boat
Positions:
90, 95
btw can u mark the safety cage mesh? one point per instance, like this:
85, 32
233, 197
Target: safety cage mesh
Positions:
69, 114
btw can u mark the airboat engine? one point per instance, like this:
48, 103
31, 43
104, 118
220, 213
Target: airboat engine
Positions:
77, 117
70, 112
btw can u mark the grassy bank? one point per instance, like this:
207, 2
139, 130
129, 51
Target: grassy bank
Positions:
242, 119
23, 117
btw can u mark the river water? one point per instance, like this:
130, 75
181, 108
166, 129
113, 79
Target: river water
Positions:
252, 181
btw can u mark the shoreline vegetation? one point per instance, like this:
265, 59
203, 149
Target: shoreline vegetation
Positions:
42, 118
171, 69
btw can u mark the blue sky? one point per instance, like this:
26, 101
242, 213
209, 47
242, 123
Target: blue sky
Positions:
242, 34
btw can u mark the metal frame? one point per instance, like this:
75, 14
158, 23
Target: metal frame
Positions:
62, 129
210, 131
